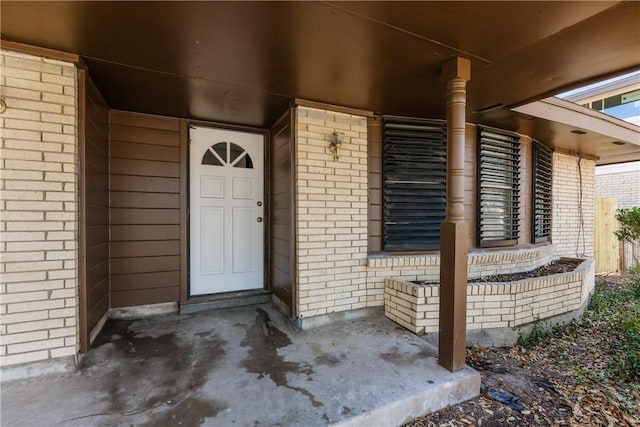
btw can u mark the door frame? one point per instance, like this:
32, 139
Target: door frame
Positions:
185, 200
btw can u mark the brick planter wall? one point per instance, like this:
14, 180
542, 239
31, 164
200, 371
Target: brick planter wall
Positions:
492, 305
482, 263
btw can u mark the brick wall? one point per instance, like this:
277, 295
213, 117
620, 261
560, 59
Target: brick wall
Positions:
39, 212
573, 219
492, 305
623, 185
482, 263
331, 211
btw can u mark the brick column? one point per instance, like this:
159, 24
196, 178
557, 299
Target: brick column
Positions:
38, 210
454, 234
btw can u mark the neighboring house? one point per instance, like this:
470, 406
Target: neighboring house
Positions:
165, 157
620, 181
618, 97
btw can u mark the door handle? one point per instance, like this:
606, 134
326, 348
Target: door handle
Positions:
259, 219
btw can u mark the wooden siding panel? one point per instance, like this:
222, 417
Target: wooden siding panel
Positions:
145, 184
144, 120
281, 256
145, 200
374, 132
145, 207
145, 216
145, 296
143, 135
144, 168
97, 235
144, 232
127, 282
160, 153
97, 215
143, 264
95, 207
101, 306
99, 251
145, 249
95, 276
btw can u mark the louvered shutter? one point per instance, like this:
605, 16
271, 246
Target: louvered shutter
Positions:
414, 178
498, 187
541, 192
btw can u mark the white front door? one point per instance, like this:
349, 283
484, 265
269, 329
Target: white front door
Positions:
227, 208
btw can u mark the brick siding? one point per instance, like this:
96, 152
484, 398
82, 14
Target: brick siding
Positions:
492, 305
624, 186
39, 209
573, 220
331, 211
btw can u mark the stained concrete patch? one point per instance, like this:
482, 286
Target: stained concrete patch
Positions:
243, 366
264, 340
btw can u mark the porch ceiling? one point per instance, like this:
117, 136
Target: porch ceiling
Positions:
242, 62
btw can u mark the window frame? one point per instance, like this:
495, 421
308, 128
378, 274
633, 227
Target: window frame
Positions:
541, 157
495, 143
391, 240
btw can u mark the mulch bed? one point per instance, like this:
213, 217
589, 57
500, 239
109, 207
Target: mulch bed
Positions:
558, 383
562, 265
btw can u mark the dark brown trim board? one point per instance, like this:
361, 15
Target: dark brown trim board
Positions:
94, 283
374, 132
82, 215
184, 210
293, 263
282, 211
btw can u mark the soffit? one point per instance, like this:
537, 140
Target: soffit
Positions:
242, 62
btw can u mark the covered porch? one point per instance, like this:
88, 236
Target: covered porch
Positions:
134, 79
243, 366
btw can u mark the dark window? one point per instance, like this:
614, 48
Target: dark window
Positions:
210, 159
498, 187
541, 193
597, 105
414, 178
216, 155
221, 149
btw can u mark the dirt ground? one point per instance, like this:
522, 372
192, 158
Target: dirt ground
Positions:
557, 383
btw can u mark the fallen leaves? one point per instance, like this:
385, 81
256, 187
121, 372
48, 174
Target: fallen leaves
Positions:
563, 382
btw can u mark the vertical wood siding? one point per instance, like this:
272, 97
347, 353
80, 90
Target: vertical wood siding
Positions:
96, 204
374, 133
281, 211
145, 209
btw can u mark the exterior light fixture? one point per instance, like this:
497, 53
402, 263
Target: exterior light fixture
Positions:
617, 142
3, 106
335, 144
578, 132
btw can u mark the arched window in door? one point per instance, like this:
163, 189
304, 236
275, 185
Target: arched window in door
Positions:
227, 154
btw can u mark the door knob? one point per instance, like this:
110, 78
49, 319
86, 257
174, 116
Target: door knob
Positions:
259, 203
259, 219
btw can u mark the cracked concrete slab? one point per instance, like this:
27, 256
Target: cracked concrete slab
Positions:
245, 366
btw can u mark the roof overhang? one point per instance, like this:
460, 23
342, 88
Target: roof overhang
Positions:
610, 139
244, 62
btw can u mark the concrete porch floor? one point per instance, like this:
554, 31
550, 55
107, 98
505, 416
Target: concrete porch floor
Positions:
243, 366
